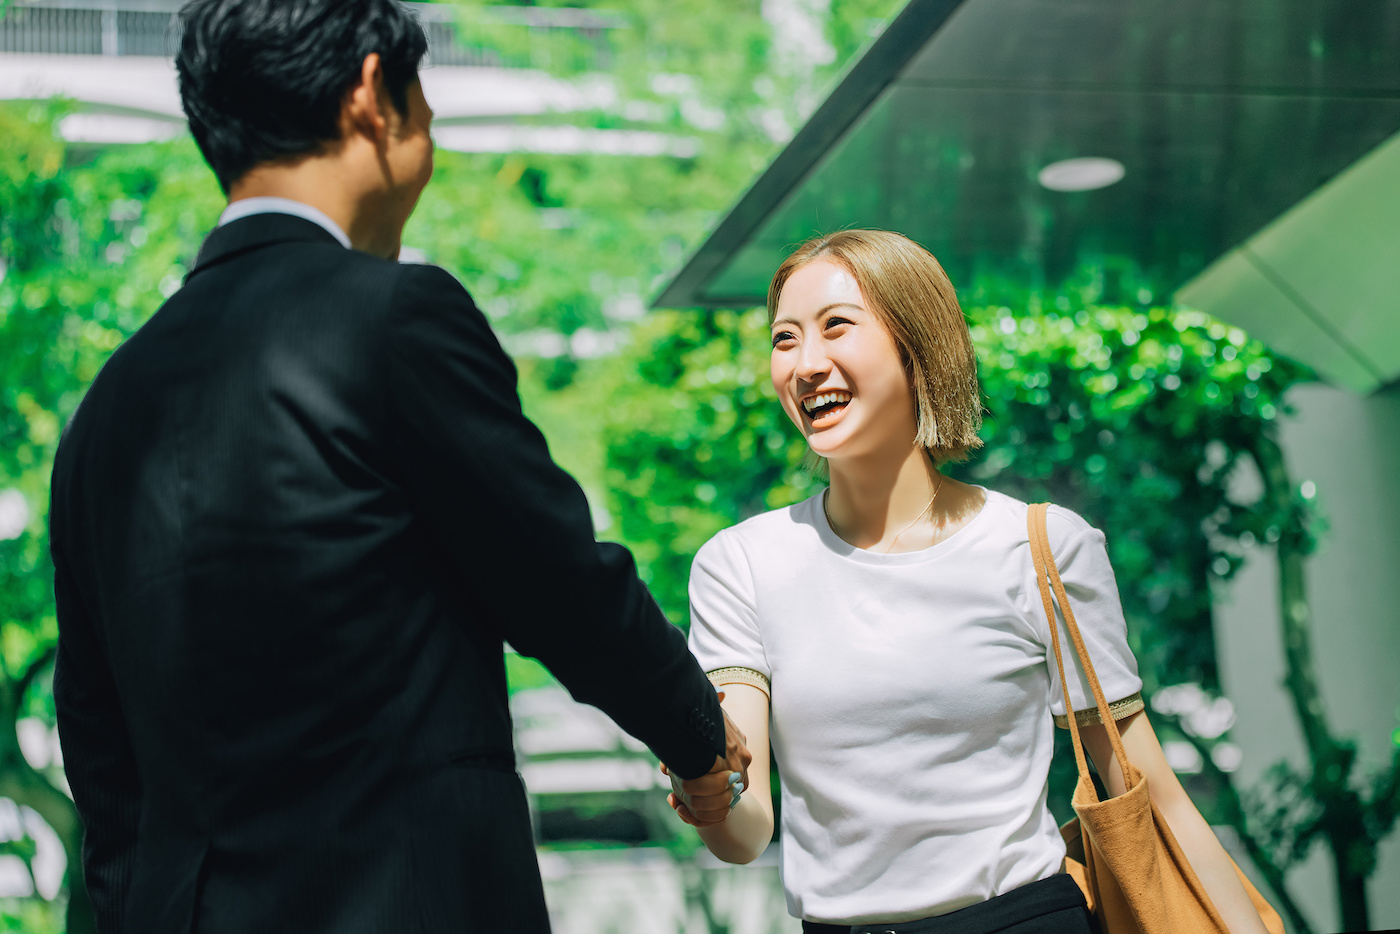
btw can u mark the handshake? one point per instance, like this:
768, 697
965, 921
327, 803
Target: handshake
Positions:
707, 800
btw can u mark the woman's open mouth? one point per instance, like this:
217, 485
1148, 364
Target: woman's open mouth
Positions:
825, 405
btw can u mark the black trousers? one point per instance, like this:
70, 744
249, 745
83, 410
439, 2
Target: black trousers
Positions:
1050, 906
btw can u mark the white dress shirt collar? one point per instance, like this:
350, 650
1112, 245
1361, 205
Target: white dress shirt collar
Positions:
247, 207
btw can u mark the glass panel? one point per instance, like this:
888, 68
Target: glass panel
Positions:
1223, 114
956, 170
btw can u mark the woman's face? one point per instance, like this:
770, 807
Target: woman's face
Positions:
836, 369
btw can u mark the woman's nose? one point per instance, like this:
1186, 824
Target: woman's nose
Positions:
812, 363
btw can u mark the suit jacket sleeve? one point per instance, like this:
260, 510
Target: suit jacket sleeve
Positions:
103, 776
516, 529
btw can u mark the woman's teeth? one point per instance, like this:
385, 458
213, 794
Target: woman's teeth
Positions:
825, 400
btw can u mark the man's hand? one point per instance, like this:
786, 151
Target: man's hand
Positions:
736, 751
707, 800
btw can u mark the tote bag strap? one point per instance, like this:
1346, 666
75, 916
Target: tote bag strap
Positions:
1047, 575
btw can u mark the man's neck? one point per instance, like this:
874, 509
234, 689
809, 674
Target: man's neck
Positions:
320, 182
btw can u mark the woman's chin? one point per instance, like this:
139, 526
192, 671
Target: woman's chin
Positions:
824, 447
848, 444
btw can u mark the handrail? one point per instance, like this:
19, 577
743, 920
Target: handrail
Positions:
150, 28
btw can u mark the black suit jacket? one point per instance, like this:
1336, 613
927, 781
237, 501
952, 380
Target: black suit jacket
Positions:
292, 522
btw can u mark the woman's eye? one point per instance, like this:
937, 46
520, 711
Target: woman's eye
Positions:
782, 336
834, 321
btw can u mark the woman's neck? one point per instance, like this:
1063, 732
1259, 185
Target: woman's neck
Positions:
897, 504
878, 503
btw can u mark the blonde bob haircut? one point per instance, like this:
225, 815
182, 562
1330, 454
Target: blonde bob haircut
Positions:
910, 294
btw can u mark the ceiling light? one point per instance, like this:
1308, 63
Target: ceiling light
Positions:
1081, 174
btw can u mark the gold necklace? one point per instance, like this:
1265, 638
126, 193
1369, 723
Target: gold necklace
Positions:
826, 494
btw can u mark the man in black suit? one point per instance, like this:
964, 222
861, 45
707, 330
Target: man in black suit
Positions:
294, 519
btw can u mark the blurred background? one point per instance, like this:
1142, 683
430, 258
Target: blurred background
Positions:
1174, 228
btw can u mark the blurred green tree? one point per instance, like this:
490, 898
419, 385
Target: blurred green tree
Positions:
552, 245
89, 243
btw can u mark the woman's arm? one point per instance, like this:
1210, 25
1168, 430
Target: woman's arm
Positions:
741, 834
1198, 841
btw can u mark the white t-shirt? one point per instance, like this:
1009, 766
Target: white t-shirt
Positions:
911, 699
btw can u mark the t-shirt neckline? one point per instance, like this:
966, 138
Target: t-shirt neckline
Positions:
844, 549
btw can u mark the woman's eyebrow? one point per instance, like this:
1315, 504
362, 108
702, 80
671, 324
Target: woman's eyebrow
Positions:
820, 312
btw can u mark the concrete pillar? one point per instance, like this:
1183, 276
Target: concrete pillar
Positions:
1349, 446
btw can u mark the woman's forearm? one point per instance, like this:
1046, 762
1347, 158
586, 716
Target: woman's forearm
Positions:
1213, 867
743, 836
1198, 842
745, 833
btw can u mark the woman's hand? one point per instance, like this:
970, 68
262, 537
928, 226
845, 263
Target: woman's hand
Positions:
707, 800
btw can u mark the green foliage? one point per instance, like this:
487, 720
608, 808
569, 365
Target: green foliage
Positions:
696, 441
31, 916
1285, 813
558, 245
89, 242
854, 23
523, 673
1136, 418
562, 243
29, 169
87, 253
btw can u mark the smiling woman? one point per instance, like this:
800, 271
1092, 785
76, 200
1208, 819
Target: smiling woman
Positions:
889, 632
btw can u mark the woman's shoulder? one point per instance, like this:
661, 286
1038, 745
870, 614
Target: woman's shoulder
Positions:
1062, 523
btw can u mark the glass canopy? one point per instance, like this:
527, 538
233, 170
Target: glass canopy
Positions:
1223, 116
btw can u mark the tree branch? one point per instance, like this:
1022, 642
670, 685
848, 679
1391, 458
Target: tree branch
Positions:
23, 784
1385, 800
1301, 676
1343, 820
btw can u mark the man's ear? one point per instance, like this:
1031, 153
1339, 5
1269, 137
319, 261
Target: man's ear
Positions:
363, 111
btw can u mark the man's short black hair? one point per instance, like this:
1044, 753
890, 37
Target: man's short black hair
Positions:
264, 79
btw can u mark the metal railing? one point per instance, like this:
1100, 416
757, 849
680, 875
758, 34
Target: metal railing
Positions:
151, 27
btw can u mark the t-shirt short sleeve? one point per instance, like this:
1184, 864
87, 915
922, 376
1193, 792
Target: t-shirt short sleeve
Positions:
724, 629
1082, 558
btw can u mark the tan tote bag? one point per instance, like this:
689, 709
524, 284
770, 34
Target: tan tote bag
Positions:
1121, 851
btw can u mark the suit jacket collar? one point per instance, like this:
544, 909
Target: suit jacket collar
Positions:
255, 232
